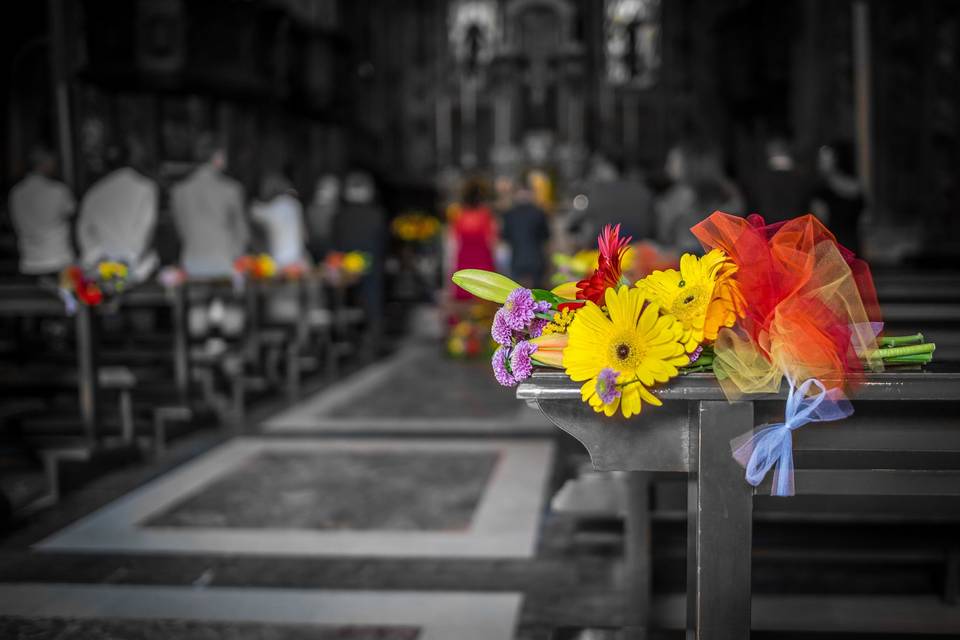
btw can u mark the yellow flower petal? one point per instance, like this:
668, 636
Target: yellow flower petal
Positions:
631, 338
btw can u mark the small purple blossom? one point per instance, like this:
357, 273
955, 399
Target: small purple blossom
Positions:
607, 385
500, 330
500, 370
537, 327
520, 363
520, 309
696, 354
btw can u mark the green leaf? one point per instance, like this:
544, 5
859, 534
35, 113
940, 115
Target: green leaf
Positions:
486, 285
542, 295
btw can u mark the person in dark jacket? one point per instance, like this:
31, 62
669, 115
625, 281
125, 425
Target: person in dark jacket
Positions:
360, 224
526, 231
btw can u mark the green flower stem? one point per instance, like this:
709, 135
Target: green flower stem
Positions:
696, 369
895, 352
899, 341
917, 358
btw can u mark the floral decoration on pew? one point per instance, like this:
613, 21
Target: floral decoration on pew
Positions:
468, 332
255, 267
343, 269
766, 303
415, 226
93, 286
171, 276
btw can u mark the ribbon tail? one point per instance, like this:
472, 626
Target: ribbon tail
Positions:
782, 484
758, 452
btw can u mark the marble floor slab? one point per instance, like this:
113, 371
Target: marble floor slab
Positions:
151, 613
330, 497
358, 491
418, 390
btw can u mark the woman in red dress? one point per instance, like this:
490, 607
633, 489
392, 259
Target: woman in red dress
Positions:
473, 234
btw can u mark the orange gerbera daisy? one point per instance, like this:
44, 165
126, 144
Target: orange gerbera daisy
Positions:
726, 305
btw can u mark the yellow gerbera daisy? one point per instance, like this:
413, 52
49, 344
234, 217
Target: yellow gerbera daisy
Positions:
687, 294
635, 341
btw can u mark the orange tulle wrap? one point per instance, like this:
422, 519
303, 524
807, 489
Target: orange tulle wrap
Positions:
811, 307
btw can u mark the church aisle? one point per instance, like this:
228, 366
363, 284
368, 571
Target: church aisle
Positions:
435, 527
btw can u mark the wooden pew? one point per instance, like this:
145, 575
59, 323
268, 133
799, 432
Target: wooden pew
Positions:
163, 357
87, 379
872, 454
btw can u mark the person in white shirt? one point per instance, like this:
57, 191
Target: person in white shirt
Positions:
321, 213
118, 216
209, 215
280, 214
40, 209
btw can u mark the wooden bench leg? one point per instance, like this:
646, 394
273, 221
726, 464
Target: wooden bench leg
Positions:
637, 557
126, 417
719, 525
332, 356
51, 470
293, 371
238, 395
161, 416
159, 433
951, 581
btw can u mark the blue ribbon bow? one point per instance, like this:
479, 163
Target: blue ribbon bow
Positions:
772, 446
69, 301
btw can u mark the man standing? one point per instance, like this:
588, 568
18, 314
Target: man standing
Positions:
209, 214
526, 230
118, 215
361, 225
40, 208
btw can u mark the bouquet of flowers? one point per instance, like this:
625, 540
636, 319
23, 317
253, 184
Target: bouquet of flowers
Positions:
342, 269
574, 267
765, 303
415, 227
469, 333
255, 267
92, 287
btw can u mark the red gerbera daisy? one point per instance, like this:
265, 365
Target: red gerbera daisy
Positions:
612, 249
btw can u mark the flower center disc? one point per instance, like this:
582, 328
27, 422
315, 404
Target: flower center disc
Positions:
626, 351
686, 305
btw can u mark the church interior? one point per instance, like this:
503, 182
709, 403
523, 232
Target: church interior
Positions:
245, 352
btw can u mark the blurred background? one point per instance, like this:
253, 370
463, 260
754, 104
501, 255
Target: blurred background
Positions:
240, 388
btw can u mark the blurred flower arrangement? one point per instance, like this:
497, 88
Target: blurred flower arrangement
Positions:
766, 303
255, 267
94, 286
639, 260
415, 226
171, 276
345, 268
468, 336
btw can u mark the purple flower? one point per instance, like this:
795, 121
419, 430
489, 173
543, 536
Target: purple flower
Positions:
537, 327
520, 309
696, 354
520, 363
607, 385
500, 330
500, 370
